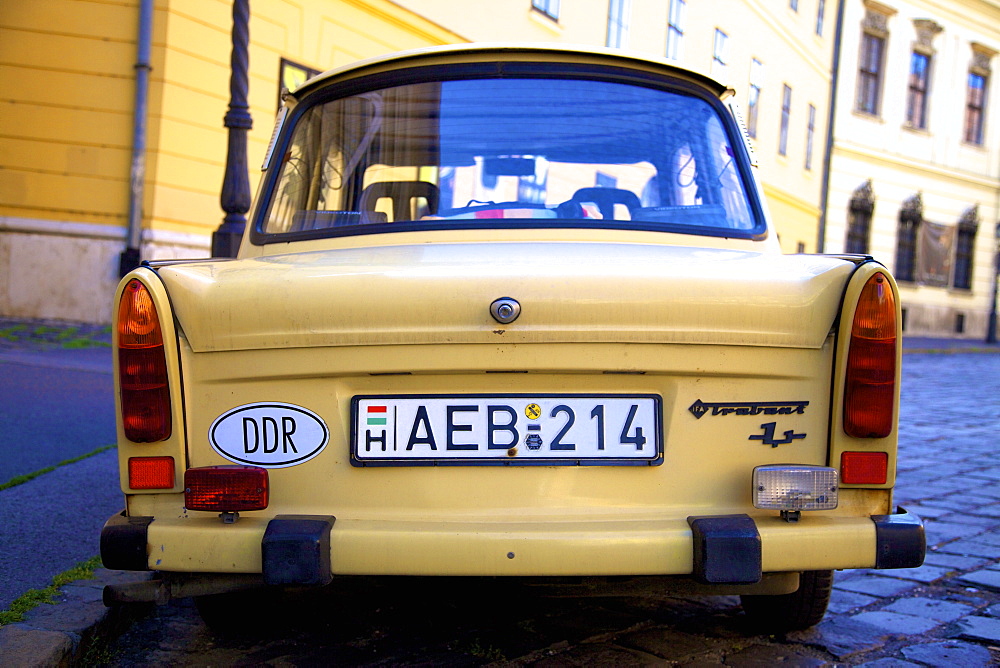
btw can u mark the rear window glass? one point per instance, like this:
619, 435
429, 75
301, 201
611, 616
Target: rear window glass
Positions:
538, 152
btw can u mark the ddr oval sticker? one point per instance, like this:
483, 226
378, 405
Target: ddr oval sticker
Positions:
271, 435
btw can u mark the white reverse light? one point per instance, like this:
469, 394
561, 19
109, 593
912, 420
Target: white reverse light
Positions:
794, 487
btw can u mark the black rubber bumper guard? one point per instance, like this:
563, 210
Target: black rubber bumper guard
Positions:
727, 548
296, 550
900, 541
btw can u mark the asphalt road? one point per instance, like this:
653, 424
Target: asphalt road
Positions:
56, 404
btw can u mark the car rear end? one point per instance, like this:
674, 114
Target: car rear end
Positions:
624, 380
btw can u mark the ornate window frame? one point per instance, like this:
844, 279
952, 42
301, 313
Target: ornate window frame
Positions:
860, 212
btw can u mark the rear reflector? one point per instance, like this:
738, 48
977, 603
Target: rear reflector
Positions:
150, 472
226, 489
142, 367
864, 468
870, 387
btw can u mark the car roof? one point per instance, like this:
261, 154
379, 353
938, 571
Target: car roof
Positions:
480, 52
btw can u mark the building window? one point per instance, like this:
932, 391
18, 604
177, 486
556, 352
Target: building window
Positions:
548, 7
618, 20
975, 98
820, 16
810, 134
916, 100
875, 33
960, 323
786, 113
675, 29
918, 87
794, 5
720, 54
859, 218
753, 102
870, 73
975, 107
292, 75
910, 216
965, 246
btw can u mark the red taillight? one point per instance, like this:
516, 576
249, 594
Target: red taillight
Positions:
870, 387
225, 489
864, 468
150, 472
142, 367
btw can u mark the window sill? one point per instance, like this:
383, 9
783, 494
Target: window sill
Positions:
868, 117
545, 20
916, 130
964, 293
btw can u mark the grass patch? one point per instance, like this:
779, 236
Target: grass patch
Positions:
67, 333
85, 343
98, 653
35, 597
13, 333
71, 336
42, 330
487, 653
21, 479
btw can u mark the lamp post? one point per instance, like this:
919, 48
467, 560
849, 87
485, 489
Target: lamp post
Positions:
991, 328
235, 197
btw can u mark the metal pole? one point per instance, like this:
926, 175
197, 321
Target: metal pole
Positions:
235, 197
824, 195
130, 257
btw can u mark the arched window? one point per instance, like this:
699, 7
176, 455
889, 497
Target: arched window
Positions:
965, 246
859, 218
911, 214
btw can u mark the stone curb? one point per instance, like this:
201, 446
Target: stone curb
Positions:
59, 634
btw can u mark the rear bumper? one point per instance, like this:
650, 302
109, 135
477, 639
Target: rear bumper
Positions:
312, 549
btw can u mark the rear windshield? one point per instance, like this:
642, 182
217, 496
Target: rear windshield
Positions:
532, 152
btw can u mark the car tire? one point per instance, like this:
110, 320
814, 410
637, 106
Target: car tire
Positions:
790, 612
238, 612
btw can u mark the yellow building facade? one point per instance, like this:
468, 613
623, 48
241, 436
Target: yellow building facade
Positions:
69, 69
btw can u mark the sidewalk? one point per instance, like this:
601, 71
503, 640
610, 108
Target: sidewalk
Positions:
918, 344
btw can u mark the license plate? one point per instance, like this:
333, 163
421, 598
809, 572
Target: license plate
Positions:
510, 429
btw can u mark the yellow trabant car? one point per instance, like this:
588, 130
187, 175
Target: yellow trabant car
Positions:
509, 311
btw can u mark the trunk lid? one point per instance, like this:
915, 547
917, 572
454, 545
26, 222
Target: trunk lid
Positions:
568, 292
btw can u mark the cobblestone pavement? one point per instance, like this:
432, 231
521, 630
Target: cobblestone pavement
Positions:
945, 613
